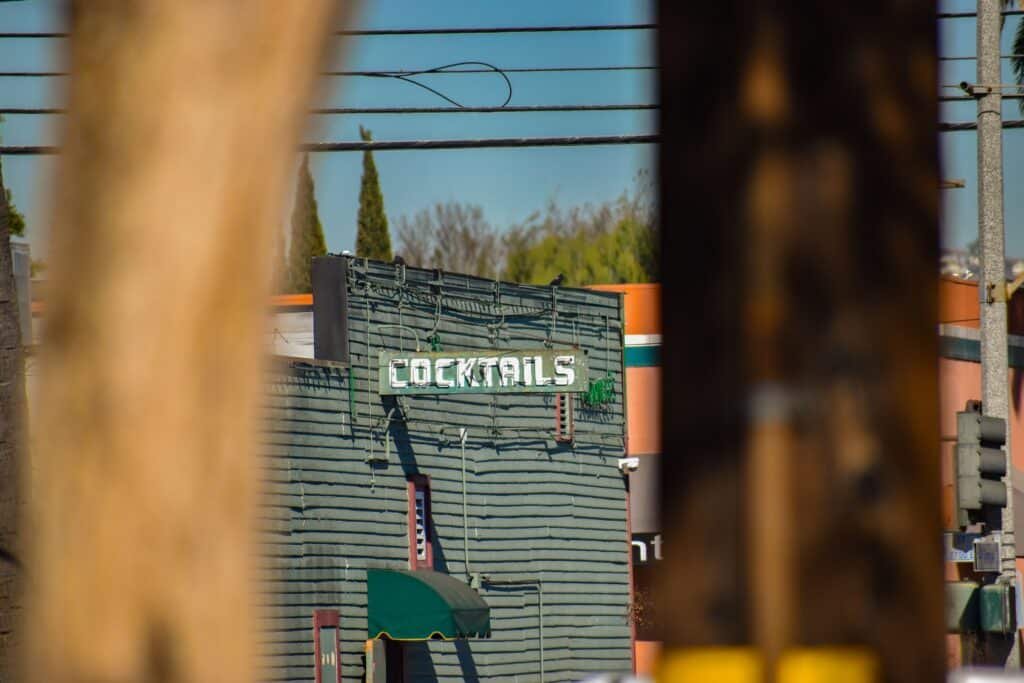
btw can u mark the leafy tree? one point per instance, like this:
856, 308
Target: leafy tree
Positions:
15, 219
453, 237
372, 237
307, 238
615, 242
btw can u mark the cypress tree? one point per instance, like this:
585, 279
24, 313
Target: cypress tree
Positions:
372, 238
307, 233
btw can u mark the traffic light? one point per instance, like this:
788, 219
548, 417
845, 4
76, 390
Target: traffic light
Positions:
980, 464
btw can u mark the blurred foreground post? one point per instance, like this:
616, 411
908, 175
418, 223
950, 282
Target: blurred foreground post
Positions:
799, 177
184, 121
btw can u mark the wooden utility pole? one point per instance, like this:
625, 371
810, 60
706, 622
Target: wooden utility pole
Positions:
183, 125
799, 174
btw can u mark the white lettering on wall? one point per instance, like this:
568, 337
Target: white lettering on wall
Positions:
393, 372
642, 547
565, 373
439, 378
528, 371
452, 372
509, 370
486, 367
464, 373
538, 367
419, 372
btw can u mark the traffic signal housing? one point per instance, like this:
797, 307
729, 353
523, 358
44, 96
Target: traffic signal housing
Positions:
980, 465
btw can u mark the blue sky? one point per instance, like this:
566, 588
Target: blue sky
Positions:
959, 150
509, 184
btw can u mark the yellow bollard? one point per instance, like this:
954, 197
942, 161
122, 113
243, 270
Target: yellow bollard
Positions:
828, 665
711, 665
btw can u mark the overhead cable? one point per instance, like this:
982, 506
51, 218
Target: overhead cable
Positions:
515, 109
971, 58
570, 141
394, 145
967, 15
407, 77
397, 72
952, 126
448, 31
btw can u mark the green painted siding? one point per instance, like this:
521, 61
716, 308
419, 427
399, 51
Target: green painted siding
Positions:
537, 509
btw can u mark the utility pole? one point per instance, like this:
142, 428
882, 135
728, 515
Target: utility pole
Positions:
992, 288
801, 504
143, 543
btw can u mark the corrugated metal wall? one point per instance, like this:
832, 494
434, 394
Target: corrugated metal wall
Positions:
537, 509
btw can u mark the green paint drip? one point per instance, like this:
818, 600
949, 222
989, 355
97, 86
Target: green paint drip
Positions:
600, 391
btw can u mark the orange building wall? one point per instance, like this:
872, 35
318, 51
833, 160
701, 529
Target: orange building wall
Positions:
642, 304
643, 410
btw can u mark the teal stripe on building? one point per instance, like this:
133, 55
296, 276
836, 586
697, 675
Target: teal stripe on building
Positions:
956, 348
961, 348
643, 356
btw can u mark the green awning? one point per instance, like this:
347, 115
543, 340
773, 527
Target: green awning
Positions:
423, 604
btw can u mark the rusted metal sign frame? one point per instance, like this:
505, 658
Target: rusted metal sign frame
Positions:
483, 371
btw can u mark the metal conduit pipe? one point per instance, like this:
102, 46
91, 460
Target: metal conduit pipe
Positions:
463, 434
415, 334
540, 607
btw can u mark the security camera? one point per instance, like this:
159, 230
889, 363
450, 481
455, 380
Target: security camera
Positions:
627, 465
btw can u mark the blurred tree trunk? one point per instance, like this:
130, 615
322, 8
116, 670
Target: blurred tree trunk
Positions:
184, 119
802, 492
12, 443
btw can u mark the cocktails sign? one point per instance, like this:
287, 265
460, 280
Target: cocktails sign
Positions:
483, 372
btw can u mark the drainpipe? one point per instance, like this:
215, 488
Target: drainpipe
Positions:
463, 434
540, 607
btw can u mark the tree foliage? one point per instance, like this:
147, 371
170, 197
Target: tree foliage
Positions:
307, 236
15, 220
372, 237
611, 243
453, 237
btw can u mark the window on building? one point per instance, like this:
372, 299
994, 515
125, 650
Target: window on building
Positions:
326, 646
563, 418
421, 548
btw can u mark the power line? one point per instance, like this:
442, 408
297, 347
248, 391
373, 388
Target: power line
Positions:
394, 145
952, 126
32, 74
483, 143
966, 15
510, 70
970, 98
514, 109
392, 73
31, 110
497, 29
418, 31
971, 58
